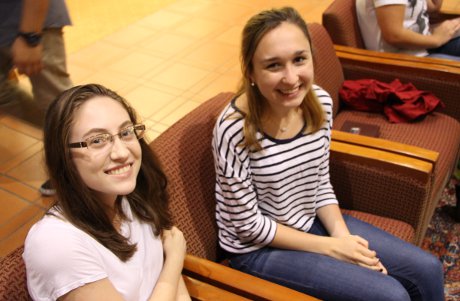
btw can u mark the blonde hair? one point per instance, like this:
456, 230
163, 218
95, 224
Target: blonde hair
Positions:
253, 32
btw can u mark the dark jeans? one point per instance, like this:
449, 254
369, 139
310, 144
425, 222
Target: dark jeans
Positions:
450, 50
413, 274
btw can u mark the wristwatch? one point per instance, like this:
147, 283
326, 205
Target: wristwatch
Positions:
31, 38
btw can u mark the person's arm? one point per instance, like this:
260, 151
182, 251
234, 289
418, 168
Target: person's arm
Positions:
237, 204
28, 59
390, 19
332, 220
182, 293
169, 286
102, 290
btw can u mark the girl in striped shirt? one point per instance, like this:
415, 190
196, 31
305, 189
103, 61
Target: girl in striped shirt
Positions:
276, 210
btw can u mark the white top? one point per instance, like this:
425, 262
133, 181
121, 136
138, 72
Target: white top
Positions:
415, 19
60, 257
285, 182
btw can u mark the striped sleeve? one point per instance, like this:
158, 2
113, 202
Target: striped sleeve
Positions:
242, 225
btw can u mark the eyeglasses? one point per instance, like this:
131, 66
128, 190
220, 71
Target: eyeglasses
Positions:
101, 141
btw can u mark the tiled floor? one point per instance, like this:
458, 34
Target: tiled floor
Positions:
165, 57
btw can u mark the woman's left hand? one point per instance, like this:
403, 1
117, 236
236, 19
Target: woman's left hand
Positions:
379, 267
174, 245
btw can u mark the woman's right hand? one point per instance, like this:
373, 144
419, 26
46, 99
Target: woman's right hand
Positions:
355, 249
174, 244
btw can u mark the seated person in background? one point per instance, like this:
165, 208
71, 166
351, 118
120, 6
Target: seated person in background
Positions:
277, 214
402, 26
109, 235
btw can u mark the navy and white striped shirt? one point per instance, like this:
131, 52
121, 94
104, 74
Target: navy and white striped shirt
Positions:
285, 182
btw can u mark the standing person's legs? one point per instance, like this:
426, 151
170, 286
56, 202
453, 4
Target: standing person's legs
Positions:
51, 81
5, 67
53, 78
10, 92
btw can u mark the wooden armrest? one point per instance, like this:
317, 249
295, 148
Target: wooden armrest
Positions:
238, 282
387, 145
449, 13
398, 59
199, 290
383, 159
449, 9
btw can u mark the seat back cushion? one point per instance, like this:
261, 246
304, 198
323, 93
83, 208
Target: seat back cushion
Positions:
13, 283
328, 70
397, 228
184, 151
341, 21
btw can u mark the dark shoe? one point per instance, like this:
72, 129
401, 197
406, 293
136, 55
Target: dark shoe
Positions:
47, 189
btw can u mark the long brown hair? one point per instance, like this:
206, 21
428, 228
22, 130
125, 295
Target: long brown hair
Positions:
76, 201
255, 29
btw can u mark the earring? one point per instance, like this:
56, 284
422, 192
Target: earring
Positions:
252, 84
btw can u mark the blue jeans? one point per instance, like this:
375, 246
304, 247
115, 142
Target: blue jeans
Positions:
450, 50
413, 274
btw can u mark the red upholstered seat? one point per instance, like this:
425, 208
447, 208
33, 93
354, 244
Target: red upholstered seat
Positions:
13, 285
341, 22
437, 132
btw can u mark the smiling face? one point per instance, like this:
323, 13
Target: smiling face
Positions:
112, 171
283, 67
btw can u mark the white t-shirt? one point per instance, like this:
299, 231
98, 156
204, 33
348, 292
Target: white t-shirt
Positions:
60, 257
415, 19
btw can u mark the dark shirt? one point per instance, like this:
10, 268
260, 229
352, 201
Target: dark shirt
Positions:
10, 18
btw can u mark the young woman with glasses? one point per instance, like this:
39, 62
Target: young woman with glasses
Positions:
109, 235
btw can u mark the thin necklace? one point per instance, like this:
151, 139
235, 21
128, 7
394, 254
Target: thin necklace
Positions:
284, 128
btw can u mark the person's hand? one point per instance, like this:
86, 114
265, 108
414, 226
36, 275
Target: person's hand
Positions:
174, 245
355, 249
446, 30
28, 60
382, 268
